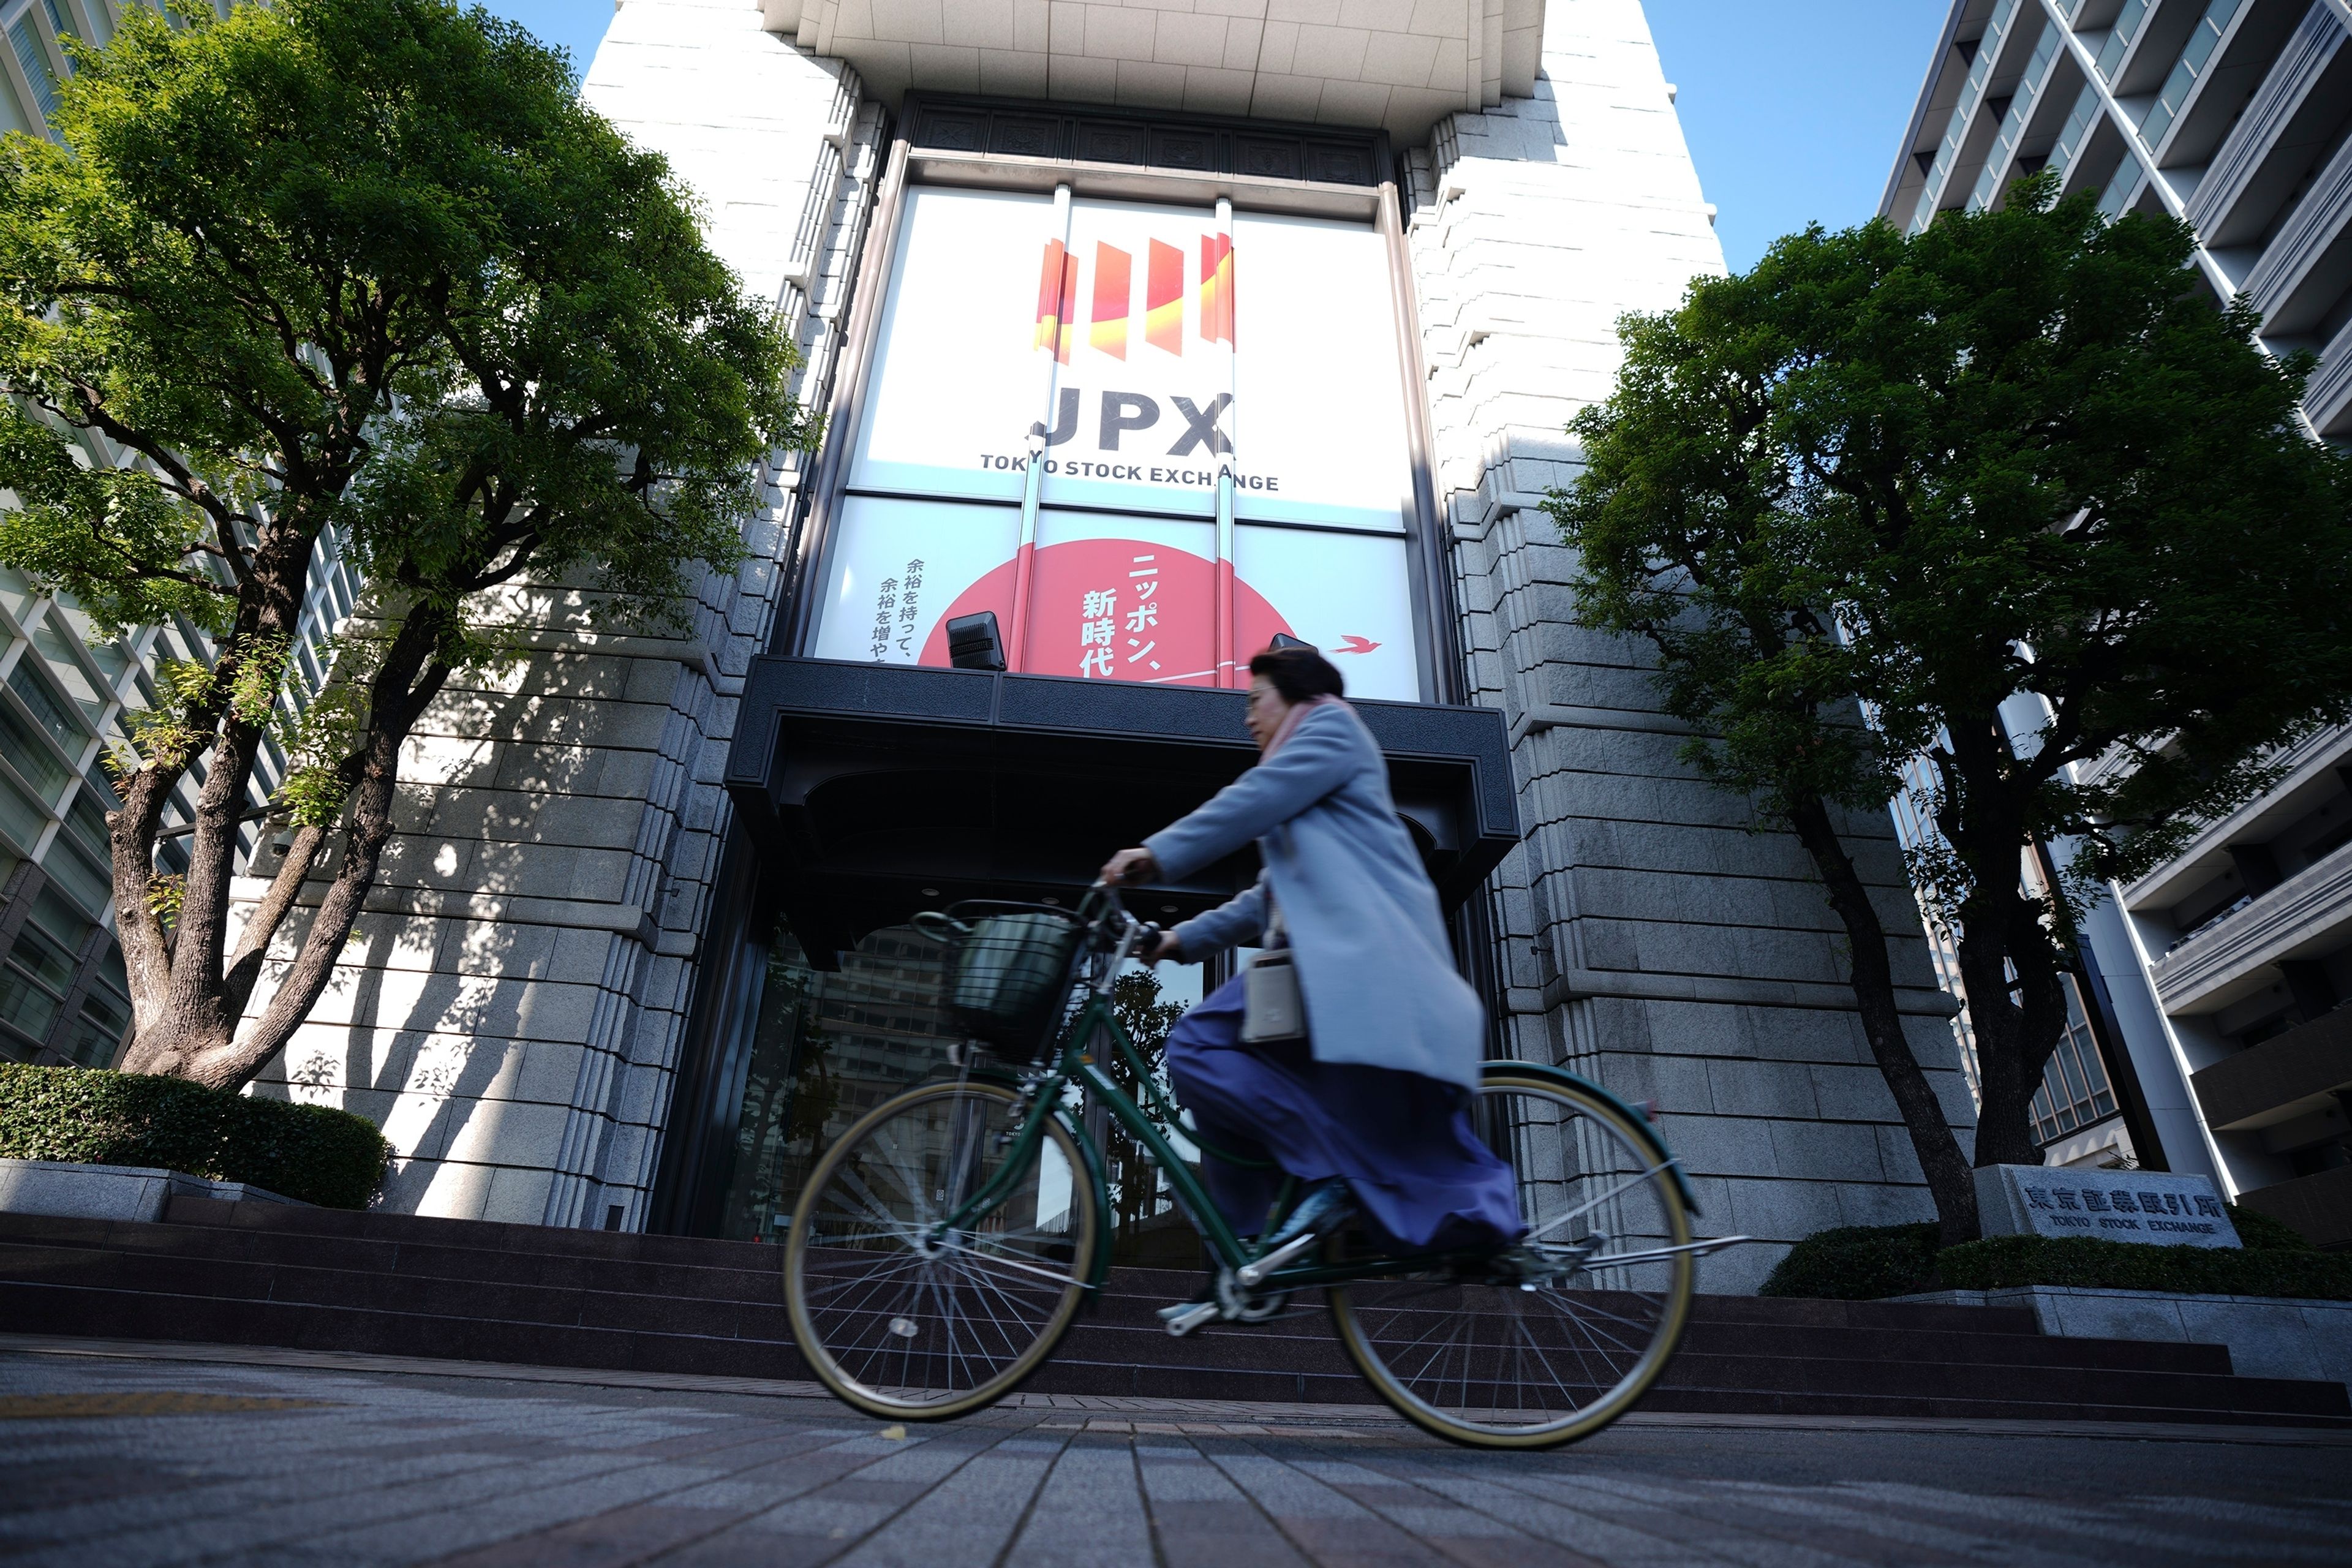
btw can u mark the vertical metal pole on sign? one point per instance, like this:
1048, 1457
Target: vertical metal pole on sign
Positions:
1220, 297
1051, 344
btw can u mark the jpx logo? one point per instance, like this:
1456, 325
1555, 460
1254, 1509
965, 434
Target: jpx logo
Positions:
1109, 330
1109, 325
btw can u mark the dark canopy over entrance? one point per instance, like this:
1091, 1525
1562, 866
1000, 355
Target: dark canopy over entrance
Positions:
873, 791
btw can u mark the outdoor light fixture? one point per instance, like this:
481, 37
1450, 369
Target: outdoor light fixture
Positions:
974, 643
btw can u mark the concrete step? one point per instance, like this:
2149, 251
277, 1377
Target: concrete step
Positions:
391, 1284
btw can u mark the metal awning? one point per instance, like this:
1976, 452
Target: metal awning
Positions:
875, 791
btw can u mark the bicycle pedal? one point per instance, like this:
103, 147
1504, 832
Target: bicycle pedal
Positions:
1258, 1270
1185, 1316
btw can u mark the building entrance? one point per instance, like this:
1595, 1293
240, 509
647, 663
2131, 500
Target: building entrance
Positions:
824, 1047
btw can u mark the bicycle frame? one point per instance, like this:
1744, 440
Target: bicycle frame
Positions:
1080, 1064
1077, 1062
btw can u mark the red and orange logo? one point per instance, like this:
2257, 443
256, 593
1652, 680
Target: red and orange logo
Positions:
1108, 328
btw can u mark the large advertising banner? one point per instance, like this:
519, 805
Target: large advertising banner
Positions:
897, 567
1347, 593
1320, 389
1132, 352
955, 377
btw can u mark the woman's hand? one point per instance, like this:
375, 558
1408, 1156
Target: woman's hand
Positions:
1129, 866
1165, 948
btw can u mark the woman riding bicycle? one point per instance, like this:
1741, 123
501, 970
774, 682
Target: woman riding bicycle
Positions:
1370, 1109
947, 1240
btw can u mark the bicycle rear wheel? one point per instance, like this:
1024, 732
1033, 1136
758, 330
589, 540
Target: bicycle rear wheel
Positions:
1553, 1340
904, 1324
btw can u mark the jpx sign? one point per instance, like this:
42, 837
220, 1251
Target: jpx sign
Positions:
2151, 1206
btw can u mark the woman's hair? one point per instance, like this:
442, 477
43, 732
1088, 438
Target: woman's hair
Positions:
1299, 673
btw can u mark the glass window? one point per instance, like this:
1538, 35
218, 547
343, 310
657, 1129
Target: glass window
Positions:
20, 818
48, 709
34, 759
106, 1016
2121, 187
85, 879
2118, 44
1114, 337
825, 1049
33, 982
65, 924
68, 672
34, 58
99, 1032
86, 818
2202, 41
2076, 1090
112, 658
40, 956
1956, 129
2078, 128
24, 1005
16, 592
2012, 124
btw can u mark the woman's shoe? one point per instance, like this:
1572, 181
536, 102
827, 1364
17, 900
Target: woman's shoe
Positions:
1322, 1208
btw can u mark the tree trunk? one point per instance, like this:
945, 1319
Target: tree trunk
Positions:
412, 676
1950, 1181
2004, 951
179, 990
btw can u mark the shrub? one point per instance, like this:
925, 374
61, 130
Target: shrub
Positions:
89, 1117
1863, 1263
1999, 1262
2260, 1233
1858, 1263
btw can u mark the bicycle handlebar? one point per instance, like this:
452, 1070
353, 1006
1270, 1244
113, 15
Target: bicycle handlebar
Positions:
1133, 938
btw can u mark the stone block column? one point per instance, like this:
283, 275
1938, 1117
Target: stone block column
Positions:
1654, 938
514, 1000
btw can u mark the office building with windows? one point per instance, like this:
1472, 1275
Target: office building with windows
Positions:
2215, 983
63, 996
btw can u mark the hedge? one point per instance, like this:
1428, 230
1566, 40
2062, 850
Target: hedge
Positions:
1861, 1263
1858, 1263
2000, 1261
85, 1116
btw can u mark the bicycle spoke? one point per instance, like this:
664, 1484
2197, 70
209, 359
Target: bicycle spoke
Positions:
1591, 1203
1029, 1269
900, 1314
1510, 1351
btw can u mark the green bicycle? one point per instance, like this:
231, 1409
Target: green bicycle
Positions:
945, 1243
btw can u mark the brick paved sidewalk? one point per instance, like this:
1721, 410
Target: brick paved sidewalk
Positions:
154, 1455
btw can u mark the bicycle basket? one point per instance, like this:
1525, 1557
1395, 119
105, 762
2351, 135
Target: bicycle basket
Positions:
1008, 970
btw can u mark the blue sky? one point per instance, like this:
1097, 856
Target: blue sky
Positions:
1793, 108
574, 24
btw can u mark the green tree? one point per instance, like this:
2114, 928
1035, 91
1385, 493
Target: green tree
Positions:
2015, 488
1135, 1181
366, 265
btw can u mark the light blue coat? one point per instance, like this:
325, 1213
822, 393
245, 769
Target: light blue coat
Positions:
1374, 966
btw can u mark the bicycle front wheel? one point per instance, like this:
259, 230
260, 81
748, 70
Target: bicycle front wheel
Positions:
1566, 1332
904, 1322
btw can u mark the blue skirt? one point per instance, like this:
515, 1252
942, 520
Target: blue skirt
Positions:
1403, 1142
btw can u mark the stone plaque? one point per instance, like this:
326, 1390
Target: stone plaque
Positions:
2151, 1206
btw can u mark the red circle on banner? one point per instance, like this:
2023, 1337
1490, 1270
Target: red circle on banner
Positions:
1116, 609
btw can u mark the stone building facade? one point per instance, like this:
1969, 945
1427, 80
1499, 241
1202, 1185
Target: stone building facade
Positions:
540, 993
